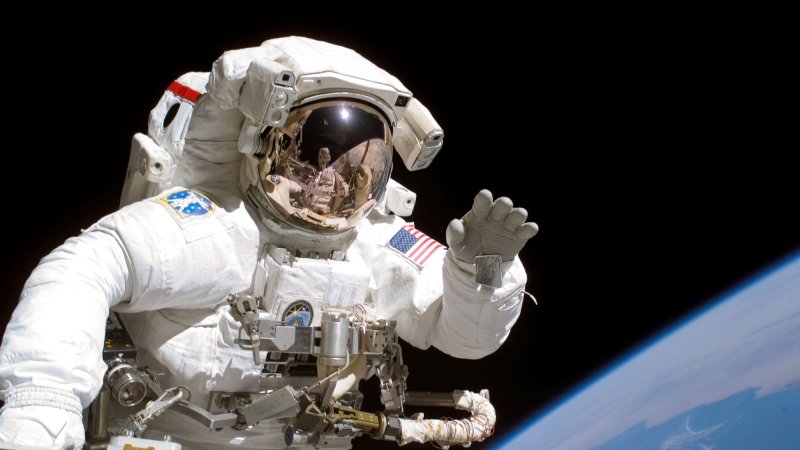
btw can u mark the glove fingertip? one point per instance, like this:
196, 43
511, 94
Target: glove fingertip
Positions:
527, 230
455, 232
482, 204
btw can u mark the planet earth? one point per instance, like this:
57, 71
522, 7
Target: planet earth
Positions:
726, 378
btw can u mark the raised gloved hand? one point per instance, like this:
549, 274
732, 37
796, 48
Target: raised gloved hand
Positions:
40, 427
490, 228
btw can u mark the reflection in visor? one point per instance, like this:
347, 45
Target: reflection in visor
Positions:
332, 161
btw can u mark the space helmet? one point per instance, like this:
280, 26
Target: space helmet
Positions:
327, 166
320, 126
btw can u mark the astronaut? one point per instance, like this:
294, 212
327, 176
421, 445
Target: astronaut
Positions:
322, 183
233, 289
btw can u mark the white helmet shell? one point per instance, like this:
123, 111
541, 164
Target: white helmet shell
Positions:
319, 128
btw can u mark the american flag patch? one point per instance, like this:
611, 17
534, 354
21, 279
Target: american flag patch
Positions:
414, 245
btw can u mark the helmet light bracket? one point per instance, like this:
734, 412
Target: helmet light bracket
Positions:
267, 96
417, 137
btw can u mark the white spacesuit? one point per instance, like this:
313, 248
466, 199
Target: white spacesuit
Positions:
238, 274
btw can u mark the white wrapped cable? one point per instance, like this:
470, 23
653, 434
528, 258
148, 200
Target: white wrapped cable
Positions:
447, 432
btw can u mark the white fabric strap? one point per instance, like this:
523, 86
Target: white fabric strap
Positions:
42, 396
470, 267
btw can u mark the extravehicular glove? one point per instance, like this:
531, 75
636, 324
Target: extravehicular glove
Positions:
490, 228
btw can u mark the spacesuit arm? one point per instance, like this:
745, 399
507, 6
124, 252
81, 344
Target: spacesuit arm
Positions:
440, 303
474, 320
50, 359
483, 277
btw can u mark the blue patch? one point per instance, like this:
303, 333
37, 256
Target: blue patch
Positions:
402, 241
298, 314
299, 319
189, 203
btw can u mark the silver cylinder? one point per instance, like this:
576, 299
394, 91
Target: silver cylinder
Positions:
333, 340
125, 383
293, 437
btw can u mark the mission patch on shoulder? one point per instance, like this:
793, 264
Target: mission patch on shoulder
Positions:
189, 203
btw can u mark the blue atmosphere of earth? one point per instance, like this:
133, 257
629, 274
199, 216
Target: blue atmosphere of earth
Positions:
728, 378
